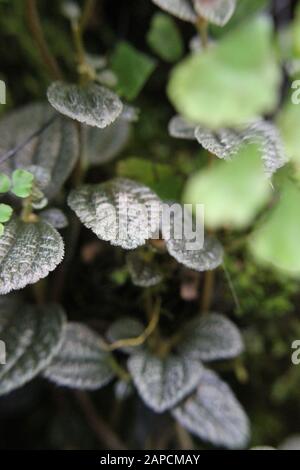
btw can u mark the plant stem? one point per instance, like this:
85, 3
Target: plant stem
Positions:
202, 27
106, 436
209, 281
138, 340
88, 8
184, 439
34, 24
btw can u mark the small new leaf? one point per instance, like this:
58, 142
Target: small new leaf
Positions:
5, 213
80, 362
4, 183
22, 182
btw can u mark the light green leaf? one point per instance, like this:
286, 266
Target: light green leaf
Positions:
163, 382
80, 362
1, 229
288, 121
4, 183
213, 414
5, 213
120, 211
54, 150
230, 83
89, 104
276, 242
133, 68
233, 192
22, 182
210, 338
164, 38
32, 335
28, 252
160, 177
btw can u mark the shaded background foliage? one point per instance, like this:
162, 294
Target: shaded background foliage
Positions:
97, 289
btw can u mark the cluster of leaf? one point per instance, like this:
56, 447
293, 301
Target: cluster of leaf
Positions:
219, 92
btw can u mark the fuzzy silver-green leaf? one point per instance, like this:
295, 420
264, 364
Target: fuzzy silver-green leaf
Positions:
213, 414
28, 252
80, 362
89, 104
32, 335
120, 211
163, 382
211, 337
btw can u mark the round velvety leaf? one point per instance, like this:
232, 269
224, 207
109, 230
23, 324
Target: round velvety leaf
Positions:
32, 335
28, 252
89, 104
120, 211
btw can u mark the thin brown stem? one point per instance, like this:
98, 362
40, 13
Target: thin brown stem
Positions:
209, 281
138, 340
184, 439
35, 27
202, 27
106, 436
87, 12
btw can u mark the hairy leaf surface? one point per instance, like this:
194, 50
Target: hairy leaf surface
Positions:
80, 362
28, 252
162, 383
91, 104
211, 337
32, 335
120, 211
214, 414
